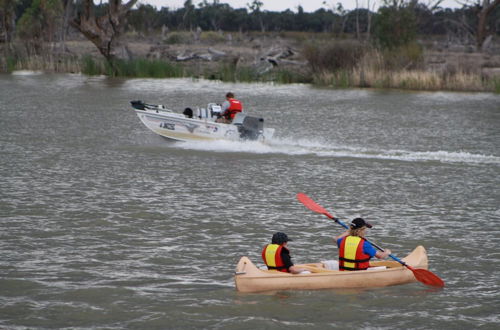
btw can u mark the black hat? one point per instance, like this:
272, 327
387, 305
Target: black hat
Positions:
359, 223
280, 238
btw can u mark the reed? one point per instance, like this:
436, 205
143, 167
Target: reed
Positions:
139, 68
496, 85
91, 67
412, 80
339, 65
10, 63
44, 63
145, 68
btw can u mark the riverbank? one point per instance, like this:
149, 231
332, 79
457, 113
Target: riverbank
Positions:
318, 59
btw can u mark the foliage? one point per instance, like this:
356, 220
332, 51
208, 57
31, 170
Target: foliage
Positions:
395, 25
334, 55
30, 23
408, 56
178, 38
40, 20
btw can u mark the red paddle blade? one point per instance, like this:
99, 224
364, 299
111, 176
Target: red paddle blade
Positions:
312, 205
427, 277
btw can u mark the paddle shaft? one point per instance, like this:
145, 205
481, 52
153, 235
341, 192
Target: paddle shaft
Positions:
421, 275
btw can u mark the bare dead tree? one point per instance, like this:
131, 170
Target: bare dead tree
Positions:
371, 10
7, 20
105, 31
483, 9
483, 31
357, 21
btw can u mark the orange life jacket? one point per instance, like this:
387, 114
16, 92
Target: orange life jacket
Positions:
235, 106
271, 254
351, 255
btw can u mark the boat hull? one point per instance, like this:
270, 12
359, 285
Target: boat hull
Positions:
249, 278
178, 127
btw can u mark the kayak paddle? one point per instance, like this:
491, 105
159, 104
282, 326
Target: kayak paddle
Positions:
423, 275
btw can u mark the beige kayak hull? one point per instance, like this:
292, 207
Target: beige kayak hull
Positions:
249, 278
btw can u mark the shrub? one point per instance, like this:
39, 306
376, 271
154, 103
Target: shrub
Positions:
178, 38
333, 56
408, 56
395, 25
212, 37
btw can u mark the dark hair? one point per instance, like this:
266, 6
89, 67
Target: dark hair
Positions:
230, 95
280, 238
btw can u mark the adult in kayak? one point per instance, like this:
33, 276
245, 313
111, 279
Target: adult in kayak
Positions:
354, 251
277, 256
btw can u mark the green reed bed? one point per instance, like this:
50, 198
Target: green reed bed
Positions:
139, 68
337, 65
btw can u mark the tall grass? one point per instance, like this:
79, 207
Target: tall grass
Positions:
145, 68
231, 73
400, 68
496, 85
11, 63
140, 68
45, 63
339, 64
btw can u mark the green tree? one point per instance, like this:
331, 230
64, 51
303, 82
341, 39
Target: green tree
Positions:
395, 24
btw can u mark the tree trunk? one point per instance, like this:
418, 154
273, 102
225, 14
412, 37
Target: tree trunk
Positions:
8, 20
482, 26
105, 31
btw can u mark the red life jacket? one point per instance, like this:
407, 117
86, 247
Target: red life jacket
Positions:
351, 255
235, 106
271, 254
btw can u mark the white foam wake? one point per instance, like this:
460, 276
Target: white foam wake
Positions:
311, 147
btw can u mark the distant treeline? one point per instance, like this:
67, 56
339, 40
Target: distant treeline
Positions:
214, 15
220, 16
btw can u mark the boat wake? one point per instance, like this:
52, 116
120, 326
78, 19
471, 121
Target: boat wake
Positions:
320, 149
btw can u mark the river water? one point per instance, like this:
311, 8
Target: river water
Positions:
105, 225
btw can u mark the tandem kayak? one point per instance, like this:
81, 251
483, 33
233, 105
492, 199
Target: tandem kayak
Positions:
249, 278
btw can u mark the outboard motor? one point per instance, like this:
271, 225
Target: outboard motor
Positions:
188, 112
250, 128
139, 105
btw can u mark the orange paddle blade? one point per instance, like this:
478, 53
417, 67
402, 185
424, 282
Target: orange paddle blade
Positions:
312, 205
427, 277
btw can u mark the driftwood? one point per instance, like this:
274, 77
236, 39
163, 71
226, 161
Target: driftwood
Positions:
185, 57
212, 55
216, 52
280, 56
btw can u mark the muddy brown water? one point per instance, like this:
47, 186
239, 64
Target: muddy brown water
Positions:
105, 225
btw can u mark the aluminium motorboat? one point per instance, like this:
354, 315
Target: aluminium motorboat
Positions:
201, 124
